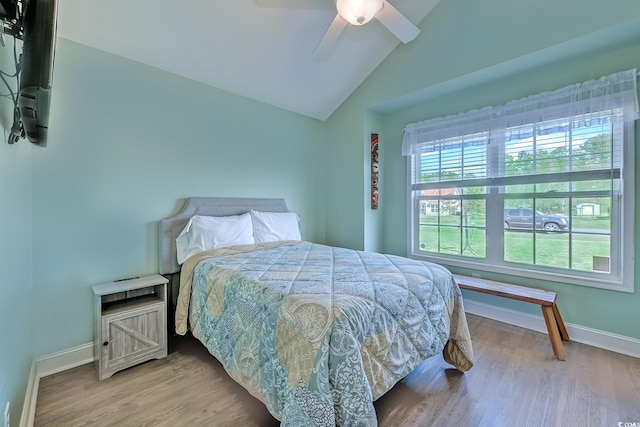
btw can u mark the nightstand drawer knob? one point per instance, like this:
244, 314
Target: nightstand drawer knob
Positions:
105, 343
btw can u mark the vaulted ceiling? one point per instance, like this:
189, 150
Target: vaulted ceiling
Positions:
260, 49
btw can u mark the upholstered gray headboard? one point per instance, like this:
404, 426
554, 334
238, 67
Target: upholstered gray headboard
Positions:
208, 206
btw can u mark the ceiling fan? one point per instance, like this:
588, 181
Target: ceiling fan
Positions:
360, 12
354, 12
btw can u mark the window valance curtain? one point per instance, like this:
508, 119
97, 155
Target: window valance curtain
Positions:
614, 91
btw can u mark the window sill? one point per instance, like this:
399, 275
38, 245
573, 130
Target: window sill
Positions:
533, 274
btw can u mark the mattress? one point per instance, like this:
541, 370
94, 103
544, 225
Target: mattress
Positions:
316, 332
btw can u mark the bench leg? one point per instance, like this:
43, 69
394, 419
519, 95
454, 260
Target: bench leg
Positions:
563, 331
554, 334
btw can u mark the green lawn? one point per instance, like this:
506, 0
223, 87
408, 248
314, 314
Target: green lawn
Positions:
565, 250
553, 249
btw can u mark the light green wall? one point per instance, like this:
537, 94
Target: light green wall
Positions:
16, 288
127, 143
470, 55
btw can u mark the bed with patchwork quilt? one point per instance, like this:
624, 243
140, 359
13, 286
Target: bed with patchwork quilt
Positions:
317, 332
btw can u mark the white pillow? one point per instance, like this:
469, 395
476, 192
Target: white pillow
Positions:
203, 233
275, 226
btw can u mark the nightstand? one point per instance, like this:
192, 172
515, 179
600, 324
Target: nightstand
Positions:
131, 322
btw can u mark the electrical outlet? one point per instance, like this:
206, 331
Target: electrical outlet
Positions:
7, 415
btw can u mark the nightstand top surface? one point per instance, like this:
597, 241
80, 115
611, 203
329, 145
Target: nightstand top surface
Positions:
123, 285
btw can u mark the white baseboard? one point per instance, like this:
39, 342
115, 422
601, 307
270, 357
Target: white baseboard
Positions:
63, 360
582, 334
49, 365
30, 397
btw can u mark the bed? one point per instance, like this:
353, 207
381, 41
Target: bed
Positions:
315, 332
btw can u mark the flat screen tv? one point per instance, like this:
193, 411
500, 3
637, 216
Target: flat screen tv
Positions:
8, 11
38, 54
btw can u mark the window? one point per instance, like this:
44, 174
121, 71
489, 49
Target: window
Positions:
540, 187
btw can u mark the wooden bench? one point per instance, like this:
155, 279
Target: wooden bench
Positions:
545, 299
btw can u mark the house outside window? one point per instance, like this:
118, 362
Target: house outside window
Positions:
431, 202
540, 187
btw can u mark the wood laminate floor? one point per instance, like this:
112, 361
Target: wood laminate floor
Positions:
515, 382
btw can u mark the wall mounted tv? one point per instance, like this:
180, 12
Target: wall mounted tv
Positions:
36, 27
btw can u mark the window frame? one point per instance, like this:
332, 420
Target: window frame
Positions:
621, 240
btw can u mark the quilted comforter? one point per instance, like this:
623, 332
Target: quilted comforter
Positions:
316, 332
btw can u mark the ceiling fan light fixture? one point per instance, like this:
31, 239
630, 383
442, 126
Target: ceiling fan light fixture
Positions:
359, 12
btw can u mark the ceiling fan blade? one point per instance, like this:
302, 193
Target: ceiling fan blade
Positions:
397, 23
331, 35
296, 4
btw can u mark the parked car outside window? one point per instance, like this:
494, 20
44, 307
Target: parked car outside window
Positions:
523, 218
